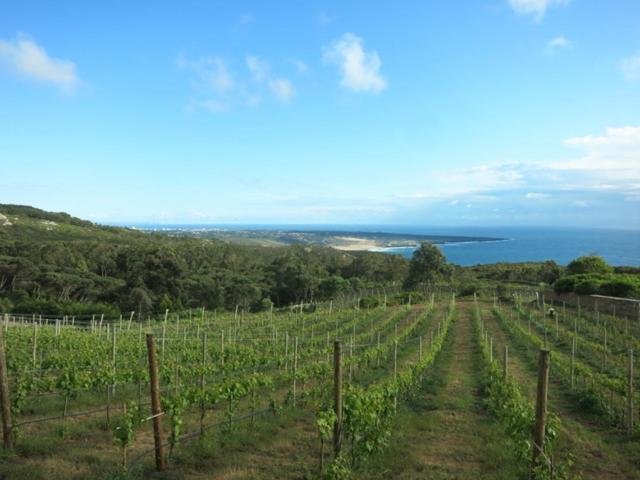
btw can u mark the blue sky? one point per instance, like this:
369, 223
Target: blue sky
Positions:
477, 112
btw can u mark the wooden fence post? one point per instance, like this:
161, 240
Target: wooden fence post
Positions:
506, 362
573, 361
34, 346
203, 410
630, 393
395, 373
541, 408
337, 397
491, 349
155, 404
604, 357
5, 400
295, 368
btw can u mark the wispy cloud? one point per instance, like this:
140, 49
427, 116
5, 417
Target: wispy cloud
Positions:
211, 73
246, 19
215, 88
630, 67
558, 43
30, 60
537, 8
260, 70
608, 167
616, 153
359, 69
300, 66
282, 89
324, 19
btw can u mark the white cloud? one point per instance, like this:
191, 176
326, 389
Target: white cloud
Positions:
212, 73
282, 88
261, 73
558, 43
631, 67
27, 58
215, 89
616, 153
212, 105
608, 164
300, 66
537, 8
259, 68
360, 69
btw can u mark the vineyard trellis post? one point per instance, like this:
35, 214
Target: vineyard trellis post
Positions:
541, 408
573, 360
395, 373
506, 362
630, 393
202, 382
491, 349
295, 369
155, 404
5, 400
337, 397
34, 347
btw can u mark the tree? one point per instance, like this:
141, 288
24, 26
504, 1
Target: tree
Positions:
428, 265
589, 264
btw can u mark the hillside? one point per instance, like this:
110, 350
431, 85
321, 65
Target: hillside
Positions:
51, 262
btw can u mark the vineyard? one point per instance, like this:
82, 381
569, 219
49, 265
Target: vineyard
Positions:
445, 388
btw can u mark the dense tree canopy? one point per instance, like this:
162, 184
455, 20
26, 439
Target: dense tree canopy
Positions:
52, 261
428, 265
589, 264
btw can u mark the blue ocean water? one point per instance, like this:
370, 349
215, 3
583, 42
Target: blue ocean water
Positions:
617, 247
521, 244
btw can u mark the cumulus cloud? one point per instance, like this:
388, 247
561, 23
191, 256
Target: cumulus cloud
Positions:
359, 69
30, 60
537, 8
630, 68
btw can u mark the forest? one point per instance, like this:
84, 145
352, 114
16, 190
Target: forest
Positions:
53, 263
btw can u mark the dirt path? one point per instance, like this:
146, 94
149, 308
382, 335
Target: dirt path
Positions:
445, 433
598, 451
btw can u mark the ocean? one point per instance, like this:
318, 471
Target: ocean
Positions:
617, 247
520, 244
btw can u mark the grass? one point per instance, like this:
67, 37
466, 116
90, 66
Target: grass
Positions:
599, 451
444, 433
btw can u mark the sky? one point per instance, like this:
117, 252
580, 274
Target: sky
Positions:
457, 113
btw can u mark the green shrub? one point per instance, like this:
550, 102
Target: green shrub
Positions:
589, 264
468, 289
564, 284
588, 286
